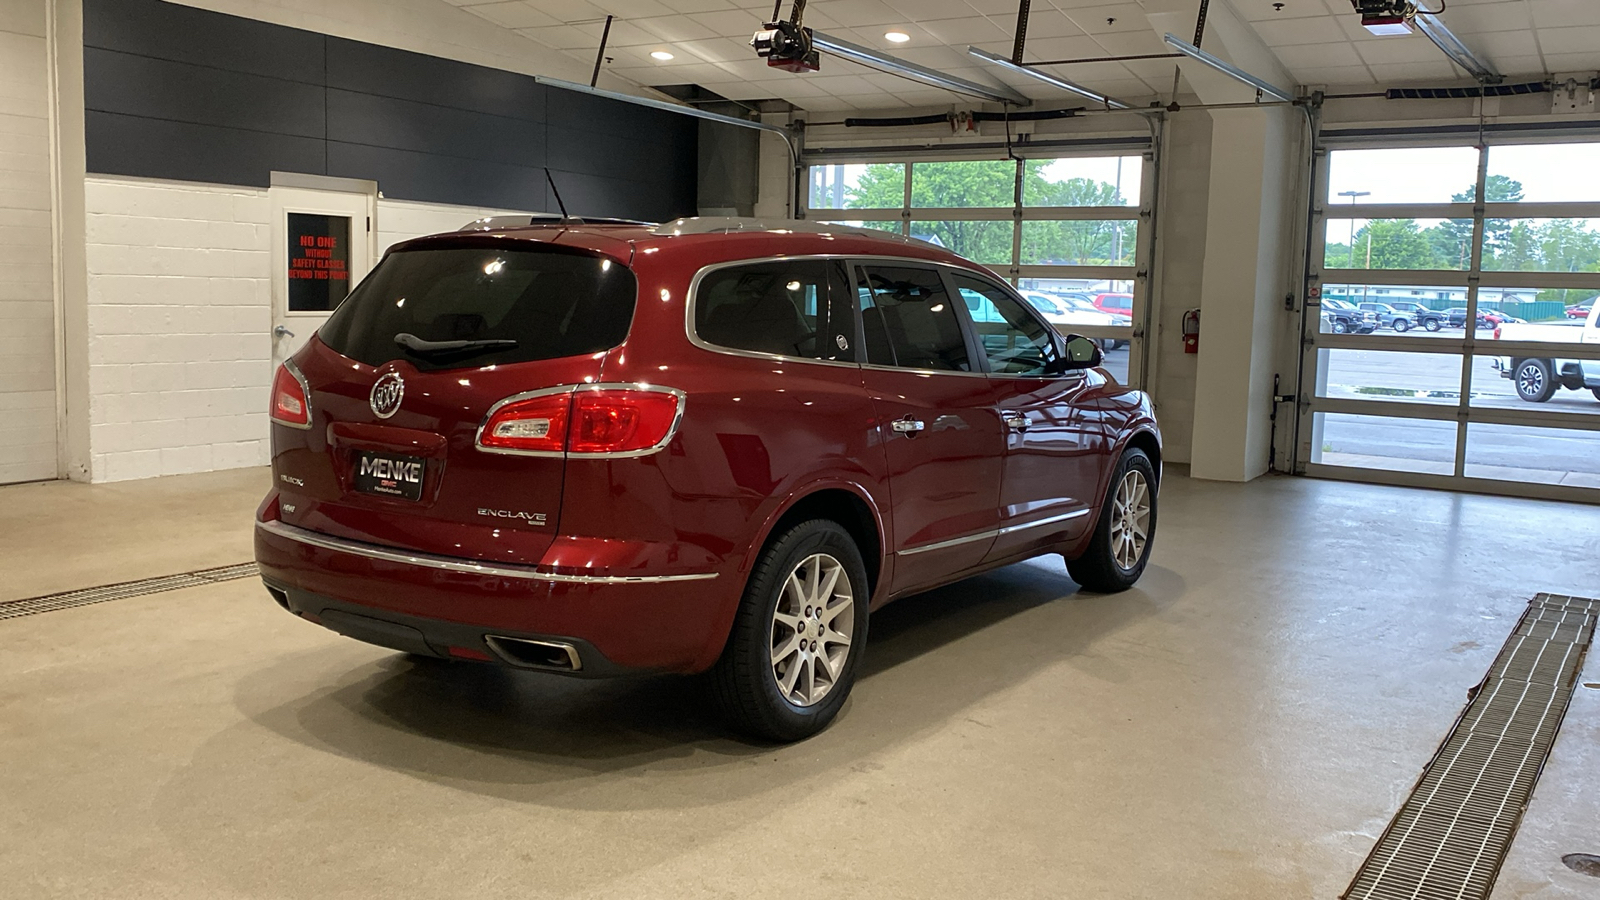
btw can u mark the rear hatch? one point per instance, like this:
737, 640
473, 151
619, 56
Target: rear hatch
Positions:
405, 371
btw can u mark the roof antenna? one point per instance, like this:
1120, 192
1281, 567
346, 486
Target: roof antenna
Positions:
553, 190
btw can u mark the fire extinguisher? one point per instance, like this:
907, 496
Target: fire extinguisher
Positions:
1191, 331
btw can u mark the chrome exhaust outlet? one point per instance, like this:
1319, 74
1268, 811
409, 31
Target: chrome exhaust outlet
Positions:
529, 654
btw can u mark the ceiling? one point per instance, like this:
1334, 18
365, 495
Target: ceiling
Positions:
1319, 42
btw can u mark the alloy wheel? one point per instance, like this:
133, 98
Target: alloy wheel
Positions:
1530, 381
1130, 519
811, 629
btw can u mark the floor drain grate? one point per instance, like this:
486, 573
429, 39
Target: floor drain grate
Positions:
12, 609
1452, 833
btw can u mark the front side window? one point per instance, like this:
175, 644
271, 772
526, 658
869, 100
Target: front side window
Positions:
781, 307
908, 320
1015, 342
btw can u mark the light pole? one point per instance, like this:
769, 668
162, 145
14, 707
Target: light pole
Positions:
1353, 195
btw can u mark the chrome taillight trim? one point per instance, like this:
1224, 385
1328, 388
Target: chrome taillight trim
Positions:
457, 564
305, 391
672, 431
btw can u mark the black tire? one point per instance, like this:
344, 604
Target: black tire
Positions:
744, 680
1534, 381
1432, 325
1596, 393
1339, 327
1401, 325
1098, 569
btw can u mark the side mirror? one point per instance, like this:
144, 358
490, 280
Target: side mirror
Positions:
1082, 353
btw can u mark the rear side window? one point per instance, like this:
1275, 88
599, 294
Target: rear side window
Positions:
1015, 342
505, 305
908, 320
784, 307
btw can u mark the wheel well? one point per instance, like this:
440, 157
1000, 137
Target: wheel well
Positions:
847, 509
1147, 442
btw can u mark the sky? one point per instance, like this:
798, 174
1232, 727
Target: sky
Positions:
1550, 173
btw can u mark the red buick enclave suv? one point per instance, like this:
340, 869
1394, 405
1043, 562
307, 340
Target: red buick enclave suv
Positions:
597, 448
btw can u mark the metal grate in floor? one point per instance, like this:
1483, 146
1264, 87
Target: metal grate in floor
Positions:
12, 609
1453, 832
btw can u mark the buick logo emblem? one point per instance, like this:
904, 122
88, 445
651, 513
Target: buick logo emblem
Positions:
387, 393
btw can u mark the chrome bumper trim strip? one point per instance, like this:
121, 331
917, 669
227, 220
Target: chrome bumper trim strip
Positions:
1009, 529
456, 564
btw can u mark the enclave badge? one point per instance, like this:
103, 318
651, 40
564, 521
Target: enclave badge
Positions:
387, 393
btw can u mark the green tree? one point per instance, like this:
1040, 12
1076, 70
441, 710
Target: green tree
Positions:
1391, 244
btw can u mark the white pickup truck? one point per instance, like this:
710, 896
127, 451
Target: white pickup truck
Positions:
1536, 378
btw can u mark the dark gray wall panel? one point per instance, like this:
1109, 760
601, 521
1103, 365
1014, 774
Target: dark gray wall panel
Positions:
442, 179
180, 92
386, 72
425, 128
174, 92
155, 148
184, 34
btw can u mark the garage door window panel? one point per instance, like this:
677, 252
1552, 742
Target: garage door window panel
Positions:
1384, 443
1398, 243
1367, 176
966, 184
984, 242
1083, 242
1559, 456
1541, 245
1082, 181
1385, 376
858, 186
1544, 173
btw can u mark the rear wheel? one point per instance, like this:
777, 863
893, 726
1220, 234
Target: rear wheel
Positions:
1596, 393
1534, 380
792, 656
1120, 547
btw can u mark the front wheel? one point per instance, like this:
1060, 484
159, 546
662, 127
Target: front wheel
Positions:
1432, 325
1120, 547
792, 656
1339, 327
1534, 380
1596, 392
1402, 325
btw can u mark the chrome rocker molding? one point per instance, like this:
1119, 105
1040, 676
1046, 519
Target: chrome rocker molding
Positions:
998, 532
455, 564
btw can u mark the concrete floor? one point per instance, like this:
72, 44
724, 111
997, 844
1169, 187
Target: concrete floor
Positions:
1241, 725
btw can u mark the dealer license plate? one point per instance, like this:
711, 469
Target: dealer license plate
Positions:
390, 474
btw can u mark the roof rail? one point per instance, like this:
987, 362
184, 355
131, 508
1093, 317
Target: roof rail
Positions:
528, 220
737, 224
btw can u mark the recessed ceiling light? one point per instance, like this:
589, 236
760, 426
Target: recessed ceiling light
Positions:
898, 37
661, 55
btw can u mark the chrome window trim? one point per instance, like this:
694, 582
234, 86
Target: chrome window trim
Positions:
456, 564
305, 391
672, 432
699, 276
994, 533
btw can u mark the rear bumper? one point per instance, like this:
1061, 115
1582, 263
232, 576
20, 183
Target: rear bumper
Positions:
428, 604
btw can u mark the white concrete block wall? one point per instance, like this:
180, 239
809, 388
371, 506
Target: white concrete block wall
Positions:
27, 273
400, 220
180, 316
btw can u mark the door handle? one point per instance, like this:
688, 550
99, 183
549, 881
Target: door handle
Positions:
907, 426
281, 331
1014, 420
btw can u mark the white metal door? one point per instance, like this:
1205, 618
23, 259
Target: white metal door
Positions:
321, 249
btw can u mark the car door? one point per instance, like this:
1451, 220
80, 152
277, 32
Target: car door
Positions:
1055, 448
941, 439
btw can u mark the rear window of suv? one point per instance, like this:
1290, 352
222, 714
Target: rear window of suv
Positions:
552, 302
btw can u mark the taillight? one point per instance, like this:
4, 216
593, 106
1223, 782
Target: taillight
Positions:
607, 420
1497, 332
537, 425
621, 420
290, 404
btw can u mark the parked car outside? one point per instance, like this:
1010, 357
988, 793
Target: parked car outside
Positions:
1537, 378
1347, 318
1580, 311
1458, 318
1115, 304
1430, 319
1389, 317
712, 445
1062, 311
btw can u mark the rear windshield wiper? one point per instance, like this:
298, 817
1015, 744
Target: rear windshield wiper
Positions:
431, 348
